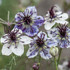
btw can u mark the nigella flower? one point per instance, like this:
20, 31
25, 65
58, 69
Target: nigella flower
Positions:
28, 21
62, 35
14, 43
40, 44
54, 15
64, 66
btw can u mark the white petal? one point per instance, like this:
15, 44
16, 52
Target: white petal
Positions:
25, 39
5, 50
60, 67
18, 50
45, 57
58, 13
49, 25
63, 16
65, 63
61, 21
4, 38
42, 35
32, 54
47, 15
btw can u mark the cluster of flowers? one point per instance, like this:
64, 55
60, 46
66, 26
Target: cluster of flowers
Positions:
26, 31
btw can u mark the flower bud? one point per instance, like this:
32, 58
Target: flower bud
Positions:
36, 66
54, 51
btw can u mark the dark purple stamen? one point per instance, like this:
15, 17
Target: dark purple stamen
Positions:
62, 30
12, 36
27, 20
51, 11
40, 42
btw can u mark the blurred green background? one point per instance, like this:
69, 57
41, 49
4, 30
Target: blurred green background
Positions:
23, 63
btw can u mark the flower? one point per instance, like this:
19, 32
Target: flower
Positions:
64, 66
40, 44
54, 15
54, 51
61, 34
28, 21
14, 43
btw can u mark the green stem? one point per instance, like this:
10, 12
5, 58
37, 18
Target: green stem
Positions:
13, 61
60, 50
56, 63
39, 60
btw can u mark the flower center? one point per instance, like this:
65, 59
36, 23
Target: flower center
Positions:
40, 42
27, 20
62, 30
52, 14
12, 36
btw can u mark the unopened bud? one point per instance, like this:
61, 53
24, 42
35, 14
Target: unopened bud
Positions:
54, 51
36, 66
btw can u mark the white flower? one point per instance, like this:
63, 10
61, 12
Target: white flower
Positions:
54, 15
14, 43
64, 66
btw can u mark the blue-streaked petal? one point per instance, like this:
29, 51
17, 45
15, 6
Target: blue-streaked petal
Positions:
52, 33
30, 11
31, 31
32, 54
51, 42
19, 26
64, 44
18, 16
45, 54
39, 20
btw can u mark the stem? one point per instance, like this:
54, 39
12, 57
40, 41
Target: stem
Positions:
39, 60
60, 50
56, 63
8, 16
